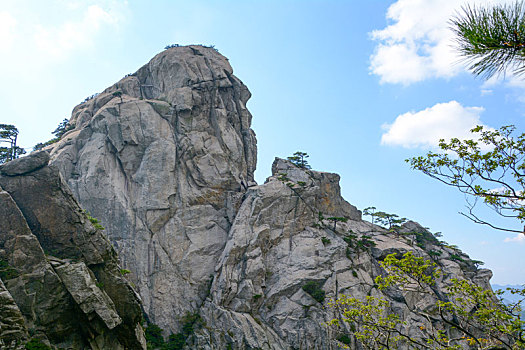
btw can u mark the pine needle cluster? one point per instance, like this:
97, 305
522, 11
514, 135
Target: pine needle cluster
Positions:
491, 40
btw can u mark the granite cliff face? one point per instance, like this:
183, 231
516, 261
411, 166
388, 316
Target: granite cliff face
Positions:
165, 169
61, 282
165, 158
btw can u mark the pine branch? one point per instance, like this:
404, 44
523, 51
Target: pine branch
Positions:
491, 40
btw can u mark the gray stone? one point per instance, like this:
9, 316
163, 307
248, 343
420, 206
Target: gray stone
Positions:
52, 257
25, 165
165, 170
168, 168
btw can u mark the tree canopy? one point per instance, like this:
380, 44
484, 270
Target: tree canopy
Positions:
299, 160
490, 167
496, 176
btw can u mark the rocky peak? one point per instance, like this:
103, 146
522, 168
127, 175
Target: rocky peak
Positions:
165, 158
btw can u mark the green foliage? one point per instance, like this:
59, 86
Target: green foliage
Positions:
9, 135
118, 94
299, 160
374, 325
362, 243
41, 145
325, 241
94, 221
411, 272
189, 322
282, 177
62, 128
491, 40
35, 344
335, 220
456, 257
480, 320
177, 341
153, 334
171, 46
7, 272
434, 253
495, 176
124, 272
314, 289
345, 339
257, 297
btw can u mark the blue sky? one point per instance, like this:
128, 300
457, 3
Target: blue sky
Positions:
359, 85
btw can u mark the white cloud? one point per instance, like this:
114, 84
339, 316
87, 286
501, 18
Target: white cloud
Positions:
7, 33
60, 41
418, 44
519, 238
425, 128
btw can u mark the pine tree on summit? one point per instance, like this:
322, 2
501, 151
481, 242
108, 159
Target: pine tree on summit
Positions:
299, 160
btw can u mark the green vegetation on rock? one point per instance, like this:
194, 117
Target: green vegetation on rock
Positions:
314, 289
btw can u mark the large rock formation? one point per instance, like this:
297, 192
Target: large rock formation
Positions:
165, 166
165, 158
282, 239
60, 279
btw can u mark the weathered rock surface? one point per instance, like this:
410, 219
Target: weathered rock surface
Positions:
278, 243
165, 169
165, 158
60, 277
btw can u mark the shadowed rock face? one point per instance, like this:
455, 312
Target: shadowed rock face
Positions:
165, 158
164, 166
60, 277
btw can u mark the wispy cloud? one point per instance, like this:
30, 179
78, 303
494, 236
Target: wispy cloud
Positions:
59, 41
425, 128
418, 44
519, 238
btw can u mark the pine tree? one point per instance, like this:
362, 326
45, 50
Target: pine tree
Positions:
299, 160
9, 135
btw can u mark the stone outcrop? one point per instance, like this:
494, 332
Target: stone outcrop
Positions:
165, 158
61, 282
165, 166
282, 239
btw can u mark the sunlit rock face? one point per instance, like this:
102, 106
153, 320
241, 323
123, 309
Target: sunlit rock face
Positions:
165, 166
60, 279
165, 159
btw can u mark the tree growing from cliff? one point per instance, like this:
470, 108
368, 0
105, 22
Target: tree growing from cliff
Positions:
9, 135
62, 128
473, 316
299, 160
